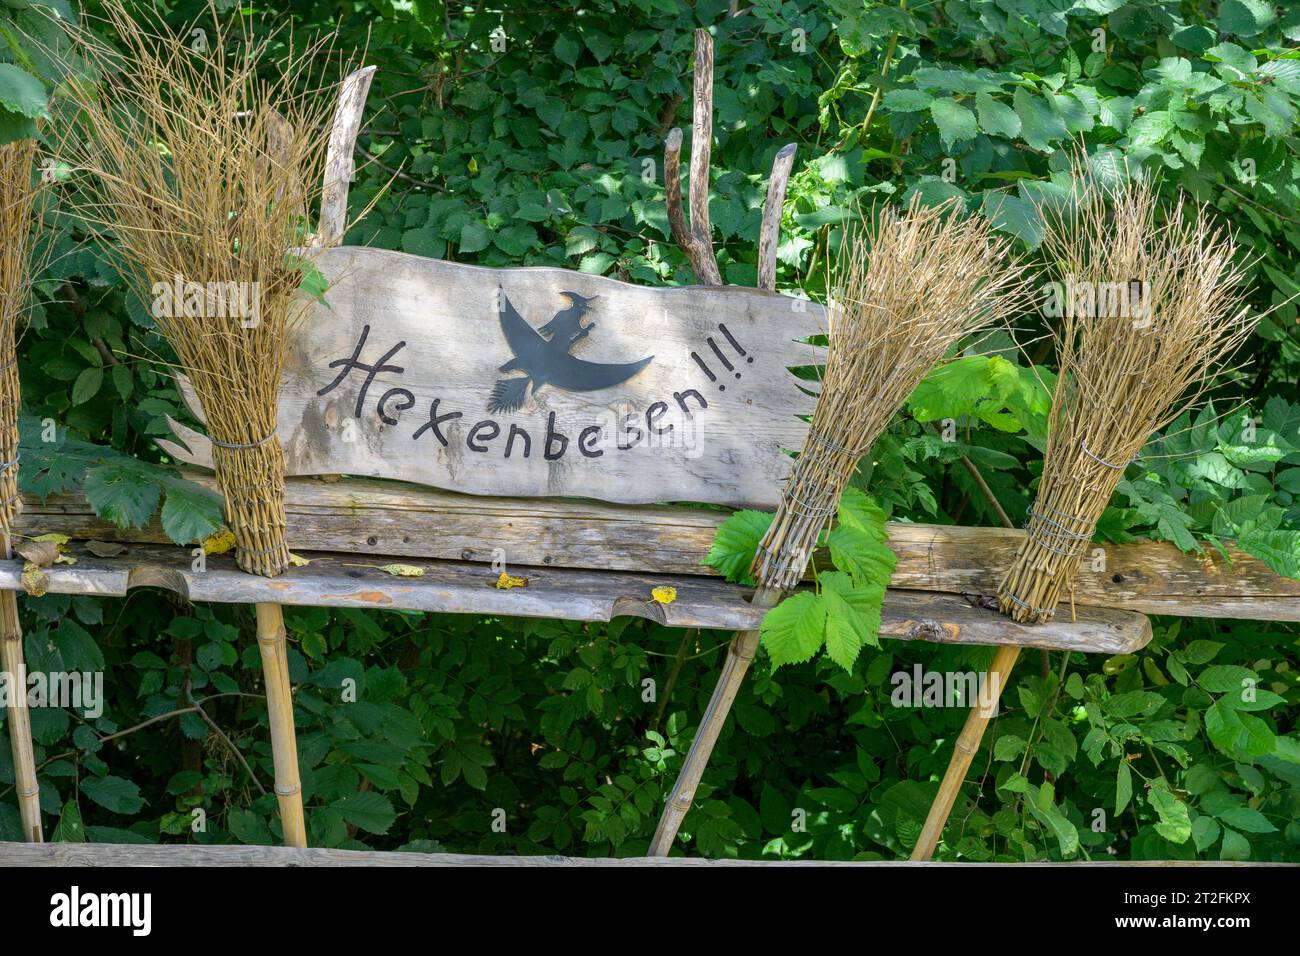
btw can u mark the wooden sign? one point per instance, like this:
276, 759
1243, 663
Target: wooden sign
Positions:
545, 382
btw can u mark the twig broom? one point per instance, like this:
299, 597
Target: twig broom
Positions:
1150, 308
18, 191
908, 288
201, 173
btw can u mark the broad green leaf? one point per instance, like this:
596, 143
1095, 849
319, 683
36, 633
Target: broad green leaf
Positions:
795, 629
956, 123
21, 92
1123, 786
1175, 823
996, 119
1040, 126
190, 512
1245, 18
117, 493
736, 542
113, 793
369, 811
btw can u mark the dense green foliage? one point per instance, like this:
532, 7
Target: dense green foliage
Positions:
424, 731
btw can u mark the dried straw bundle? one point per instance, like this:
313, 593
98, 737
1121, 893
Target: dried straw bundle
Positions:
18, 191
1163, 305
201, 173
908, 287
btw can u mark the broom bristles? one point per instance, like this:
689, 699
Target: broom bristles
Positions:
1125, 372
907, 288
201, 173
19, 188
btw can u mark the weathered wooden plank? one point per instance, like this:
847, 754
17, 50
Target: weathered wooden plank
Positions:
334, 580
131, 854
400, 520
639, 394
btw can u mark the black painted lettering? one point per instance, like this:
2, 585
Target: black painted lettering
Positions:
510, 440
348, 364
407, 401
625, 428
681, 400
490, 430
435, 420
589, 436
652, 415
553, 436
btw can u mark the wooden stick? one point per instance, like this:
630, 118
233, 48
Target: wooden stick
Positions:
673, 191
770, 233
968, 742
696, 241
740, 654
339, 164
972, 731
279, 708
20, 721
706, 266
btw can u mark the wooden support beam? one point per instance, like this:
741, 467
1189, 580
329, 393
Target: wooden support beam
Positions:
399, 520
347, 580
197, 855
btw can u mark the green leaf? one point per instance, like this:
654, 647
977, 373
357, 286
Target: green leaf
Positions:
1205, 830
70, 828
795, 629
1235, 846
1040, 126
1244, 818
1150, 129
1245, 18
113, 793
117, 493
88, 382
905, 100
566, 49
424, 242
369, 811
21, 92
1123, 786
1014, 216
735, 544
1175, 823
846, 630
474, 237
996, 119
1280, 550
865, 559
190, 512
956, 123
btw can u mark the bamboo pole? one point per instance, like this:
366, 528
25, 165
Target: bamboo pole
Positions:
740, 654
279, 709
20, 720
968, 743
332, 224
